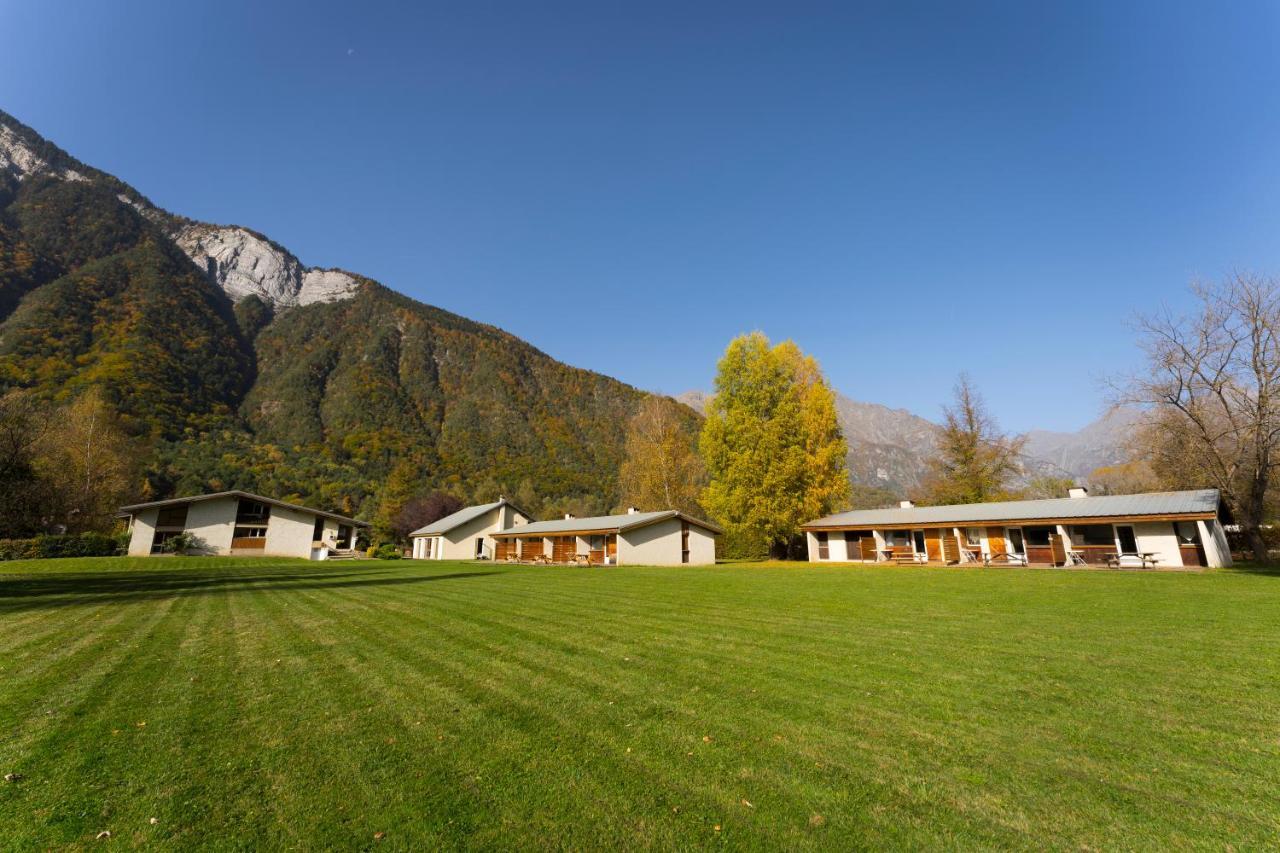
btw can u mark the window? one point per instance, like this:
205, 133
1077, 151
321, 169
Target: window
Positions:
161, 537
317, 532
972, 536
1093, 534
172, 516
479, 547
917, 539
684, 541
1015, 540
899, 537
251, 512
250, 533
1038, 537
1188, 533
823, 550
1128, 542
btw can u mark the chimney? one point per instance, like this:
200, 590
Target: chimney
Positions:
568, 515
632, 510
1077, 492
906, 504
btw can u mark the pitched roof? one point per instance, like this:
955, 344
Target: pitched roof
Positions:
1202, 502
608, 523
236, 493
462, 516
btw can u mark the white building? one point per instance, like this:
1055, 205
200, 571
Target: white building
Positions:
665, 538
239, 523
468, 533
1160, 530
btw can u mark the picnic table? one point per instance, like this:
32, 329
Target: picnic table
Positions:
1147, 558
582, 559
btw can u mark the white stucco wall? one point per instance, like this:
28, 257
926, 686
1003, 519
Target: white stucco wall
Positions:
1159, 538
1217, 551
213, 522
658, 544
460, 543
144, 529
289, 533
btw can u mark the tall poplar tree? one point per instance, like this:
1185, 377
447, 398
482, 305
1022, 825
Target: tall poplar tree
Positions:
773, 450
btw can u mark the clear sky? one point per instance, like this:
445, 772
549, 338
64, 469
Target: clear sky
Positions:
907, 190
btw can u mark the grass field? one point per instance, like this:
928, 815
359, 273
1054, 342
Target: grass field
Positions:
281, 704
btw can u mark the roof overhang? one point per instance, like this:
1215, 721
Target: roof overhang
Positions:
133, 509
1014, 522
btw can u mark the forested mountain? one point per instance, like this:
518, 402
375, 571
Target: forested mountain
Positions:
235, 366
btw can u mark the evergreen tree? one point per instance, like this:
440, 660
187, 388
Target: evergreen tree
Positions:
773, 449
975, 460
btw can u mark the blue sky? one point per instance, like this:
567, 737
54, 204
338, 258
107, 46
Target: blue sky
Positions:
907, 190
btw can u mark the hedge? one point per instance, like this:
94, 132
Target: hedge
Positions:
64, 545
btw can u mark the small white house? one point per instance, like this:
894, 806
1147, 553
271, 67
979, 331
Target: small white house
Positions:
239, 523
664, 538
1155, 530
468, 533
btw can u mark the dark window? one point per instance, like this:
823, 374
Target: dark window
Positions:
1093, 534
822, 545
250, 533
317, 533
1015, 540
1128, 542
172, 516
1038, 537
252, 512
684, 541
919, 540
161, 537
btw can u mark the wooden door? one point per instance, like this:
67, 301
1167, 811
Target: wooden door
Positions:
867, 546
530, 548
995, 541
563, 548
501, 549
611, 548
1058, 549
950, 549
933, 545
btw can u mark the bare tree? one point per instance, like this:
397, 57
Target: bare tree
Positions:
1212, 389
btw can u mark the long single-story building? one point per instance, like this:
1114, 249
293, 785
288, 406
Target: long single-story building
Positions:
468, 533
1160, 529
664, 538
240, 523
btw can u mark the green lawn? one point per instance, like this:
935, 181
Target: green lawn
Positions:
282, 704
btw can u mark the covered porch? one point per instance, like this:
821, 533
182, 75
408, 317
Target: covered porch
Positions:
584, 548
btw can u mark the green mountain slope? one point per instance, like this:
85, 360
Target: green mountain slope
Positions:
349, 403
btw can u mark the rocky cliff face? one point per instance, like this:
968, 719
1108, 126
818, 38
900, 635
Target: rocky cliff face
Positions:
244, 263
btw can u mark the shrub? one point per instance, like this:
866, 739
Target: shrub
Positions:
63, 545
385, 551
184, 543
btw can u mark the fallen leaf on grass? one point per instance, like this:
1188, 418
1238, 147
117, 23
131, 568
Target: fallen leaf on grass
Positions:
747, 804
378, 836
106, 833
706, 738
13, 777
816, 820
154, 821
717, 827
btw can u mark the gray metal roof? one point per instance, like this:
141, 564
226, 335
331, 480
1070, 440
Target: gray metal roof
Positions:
236, 493
1201, 501
457, 519
607, 523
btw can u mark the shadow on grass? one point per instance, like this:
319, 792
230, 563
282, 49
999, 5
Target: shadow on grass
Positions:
79, 589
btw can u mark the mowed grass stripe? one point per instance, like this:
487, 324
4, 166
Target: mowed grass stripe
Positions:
859, 707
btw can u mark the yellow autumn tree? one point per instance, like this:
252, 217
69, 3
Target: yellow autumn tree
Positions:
772, 446
661, 469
